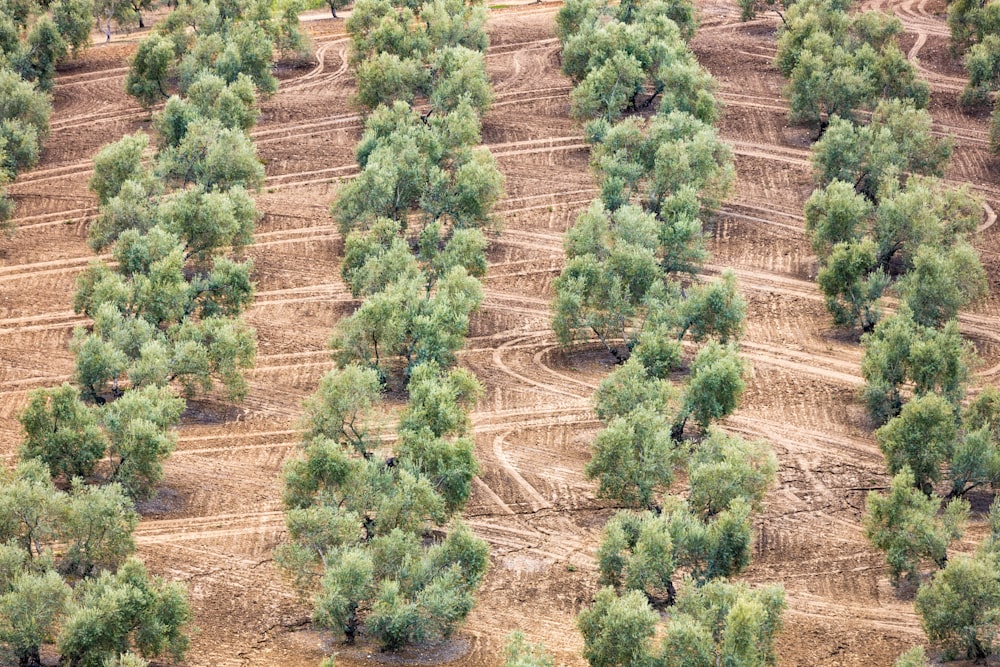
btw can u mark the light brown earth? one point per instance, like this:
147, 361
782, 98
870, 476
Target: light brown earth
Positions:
218, 517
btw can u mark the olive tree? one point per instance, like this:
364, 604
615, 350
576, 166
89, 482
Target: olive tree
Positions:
983, 64
714, 387
723, 623
357, 520
637, 554
922, 437
900, 351
634, 458
726, 467
898, 139
518, 652
114, 613
24, 122
906, 526
151, 69
32, 605
958, 609
650, 163
618, 631
74, 20
62, 432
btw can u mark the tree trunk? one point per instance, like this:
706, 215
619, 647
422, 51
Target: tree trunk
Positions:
671, 593
29, 657
677, 430
351, 626
977, 652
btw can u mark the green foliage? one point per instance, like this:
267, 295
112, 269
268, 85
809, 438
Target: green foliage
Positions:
983, 64
93, 525
291, 43
837, 64
718, 623
617, 631
853, 283
74, 19
213, 156
975, 459
118, 163
613, 286
726, 467
836, 213
913, 241
458, 76
714, 386
651, 163
413, 594
32, 605
24, 122
630, 387
438, 58
359, 523
915, 657
248, 52
355, 519
128, 609
128, 659
984, 411
905, 525
941, 283
231, 40
150, 70
970, 21
633, 458
375, 26
749, 9
518, 652
86, 532
124, 15
98, 529
139, 440
44, 49
713, 547
341, 407
724, 623
611, 266
31, 508
995, 130
160, 342
62, 432
636, 554
624, 57
404, 320
958, 608
921, 437
234, 105
900, 351
429, 168
713, 310
434, 431
897, 140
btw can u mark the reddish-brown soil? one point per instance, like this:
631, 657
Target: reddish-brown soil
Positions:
217, 517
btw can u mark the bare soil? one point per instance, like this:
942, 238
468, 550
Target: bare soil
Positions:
218, 517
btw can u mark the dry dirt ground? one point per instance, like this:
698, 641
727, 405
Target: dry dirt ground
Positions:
217, 518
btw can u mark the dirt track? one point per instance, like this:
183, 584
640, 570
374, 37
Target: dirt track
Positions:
218, 517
